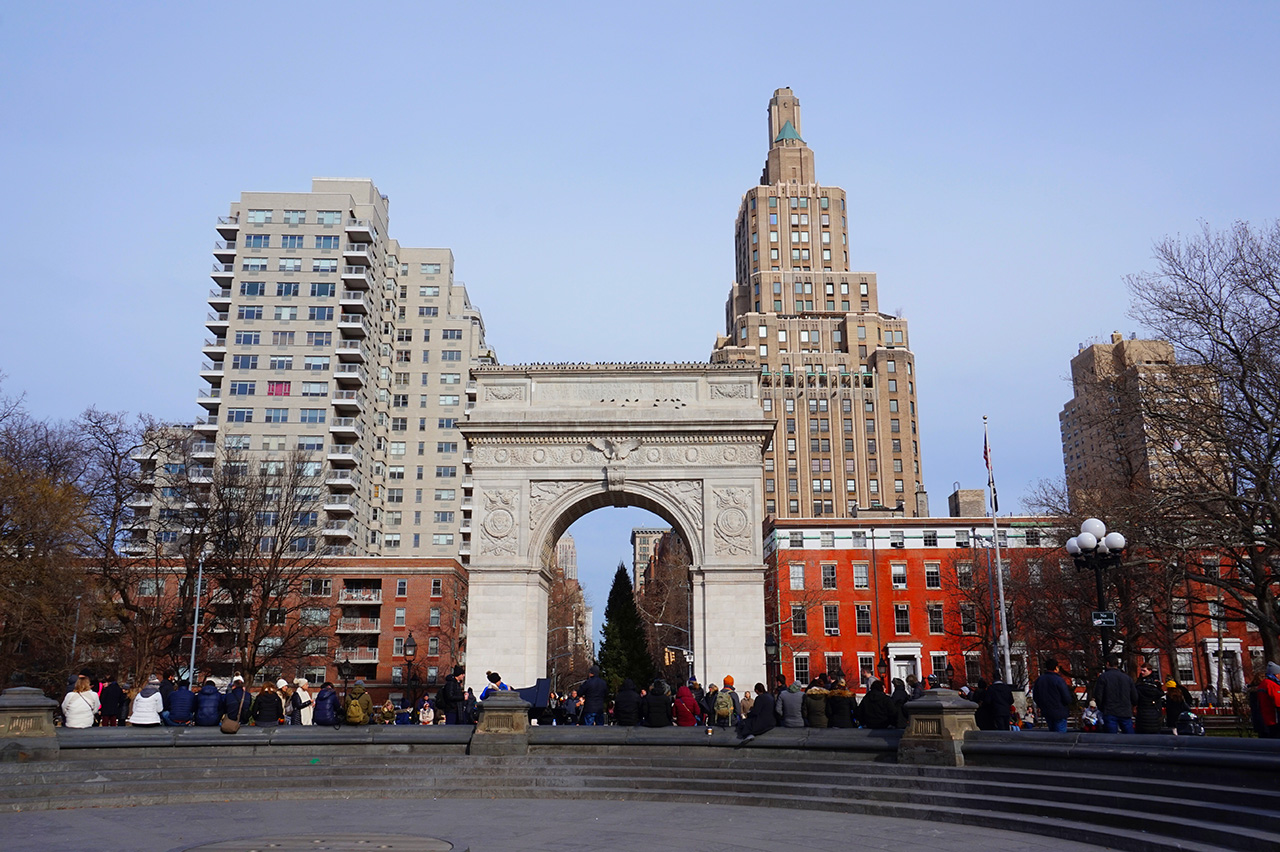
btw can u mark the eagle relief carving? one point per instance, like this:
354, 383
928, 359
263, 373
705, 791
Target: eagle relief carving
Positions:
614, 449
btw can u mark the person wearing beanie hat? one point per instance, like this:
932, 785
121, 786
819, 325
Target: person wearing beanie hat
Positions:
1269, 702
726, 709
495, 685
301, 708
148, 706
450, 698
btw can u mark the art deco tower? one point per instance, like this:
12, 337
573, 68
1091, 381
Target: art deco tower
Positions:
838, 375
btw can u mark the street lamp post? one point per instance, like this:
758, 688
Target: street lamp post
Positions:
771, 649
569, 651
410, 652
1096, 549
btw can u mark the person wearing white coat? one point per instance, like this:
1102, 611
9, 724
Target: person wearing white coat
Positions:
80, 705
304, 698
148, 705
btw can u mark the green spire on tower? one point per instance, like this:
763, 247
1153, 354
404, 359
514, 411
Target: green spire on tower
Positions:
788, 132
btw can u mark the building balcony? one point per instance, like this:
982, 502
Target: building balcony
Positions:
467, 483
357, 277
342, 479
464, 549
223, 273
359, 655
343, 455
361, 230
347, 401
466, 503
204, 449
206, 424
217, 323
465, 526
349, 426
215, 348
200, 475
220, 299
353, 325
471, 388
142, 501
358, 253
355, 301
340, 504
210, 398
359, 625
225, 251
351, 351
212, 371
339, 550
357, 595
337, 530
348, 375
228, 227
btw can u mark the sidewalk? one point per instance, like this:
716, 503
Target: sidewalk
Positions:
500, 825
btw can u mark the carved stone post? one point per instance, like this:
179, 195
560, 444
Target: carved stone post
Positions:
503, 728
935, 733
26, 726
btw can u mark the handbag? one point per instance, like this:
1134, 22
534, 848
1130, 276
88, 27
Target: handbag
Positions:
230, 725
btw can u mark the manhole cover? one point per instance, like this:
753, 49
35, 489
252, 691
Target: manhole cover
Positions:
328, 843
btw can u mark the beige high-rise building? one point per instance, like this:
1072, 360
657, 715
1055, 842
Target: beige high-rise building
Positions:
1105, 440
331, 338
838, 375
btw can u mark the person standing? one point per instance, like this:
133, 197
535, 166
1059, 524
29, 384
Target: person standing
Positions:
1150, 701
594, 692
450, 698
114, 702
81, 704
1053, 697
999, 701
1117, 697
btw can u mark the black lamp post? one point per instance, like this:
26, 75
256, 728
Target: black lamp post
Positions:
1096, 549
771, 649
344, 672
951, 675
410, 652
883, 668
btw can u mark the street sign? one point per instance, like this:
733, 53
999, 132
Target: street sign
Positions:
1104, 619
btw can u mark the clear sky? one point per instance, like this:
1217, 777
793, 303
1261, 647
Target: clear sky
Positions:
1007, 165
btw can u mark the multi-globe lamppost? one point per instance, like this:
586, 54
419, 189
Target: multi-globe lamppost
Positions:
1096, 549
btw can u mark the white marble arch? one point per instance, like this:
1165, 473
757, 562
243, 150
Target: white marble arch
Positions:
551, 443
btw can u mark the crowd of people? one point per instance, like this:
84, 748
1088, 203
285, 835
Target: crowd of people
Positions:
1119, 704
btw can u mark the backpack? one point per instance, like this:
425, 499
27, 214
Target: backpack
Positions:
355, 713
724, 704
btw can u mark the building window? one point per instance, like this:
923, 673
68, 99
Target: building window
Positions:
445, 539
827, 538
901, 618
402, 588
831, 619
932, 575
935, 618
968, 619
964, 575
828, 576
797, 576
797, 539
930, 536
399, 616
860, 575
862, 618
799, 620
1186, 666
898, 574
437, 587
801, 664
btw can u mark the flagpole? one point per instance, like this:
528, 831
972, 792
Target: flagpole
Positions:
995, 536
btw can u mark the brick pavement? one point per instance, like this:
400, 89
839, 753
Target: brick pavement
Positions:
501, 825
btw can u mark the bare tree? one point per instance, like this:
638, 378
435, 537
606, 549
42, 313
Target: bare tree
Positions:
664, 602
1216, 425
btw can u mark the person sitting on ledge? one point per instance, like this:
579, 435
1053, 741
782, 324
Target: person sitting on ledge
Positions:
495, 685
878, 710
760, 718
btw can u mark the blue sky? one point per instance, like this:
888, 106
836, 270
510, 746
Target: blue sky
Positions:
1007, 165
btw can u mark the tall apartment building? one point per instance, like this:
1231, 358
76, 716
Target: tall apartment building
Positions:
567, 556
1104, 435
838, 375
331, 338
644, 544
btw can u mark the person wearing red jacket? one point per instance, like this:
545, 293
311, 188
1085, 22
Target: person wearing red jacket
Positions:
685, 708
1269, 702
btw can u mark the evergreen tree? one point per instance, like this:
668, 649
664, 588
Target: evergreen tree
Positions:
624, 652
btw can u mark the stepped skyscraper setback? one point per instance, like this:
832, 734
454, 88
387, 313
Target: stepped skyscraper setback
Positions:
838, 375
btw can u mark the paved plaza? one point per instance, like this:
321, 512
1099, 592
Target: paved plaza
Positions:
497, 825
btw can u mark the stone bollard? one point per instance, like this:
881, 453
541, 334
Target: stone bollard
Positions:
936, 728
26, 726
503, 728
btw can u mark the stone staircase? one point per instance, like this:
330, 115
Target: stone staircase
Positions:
1103, 809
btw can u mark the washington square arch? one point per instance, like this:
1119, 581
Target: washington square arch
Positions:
551, 443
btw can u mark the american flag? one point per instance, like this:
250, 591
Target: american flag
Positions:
991, 477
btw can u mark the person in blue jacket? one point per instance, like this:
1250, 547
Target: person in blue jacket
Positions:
209, 705
328, 707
